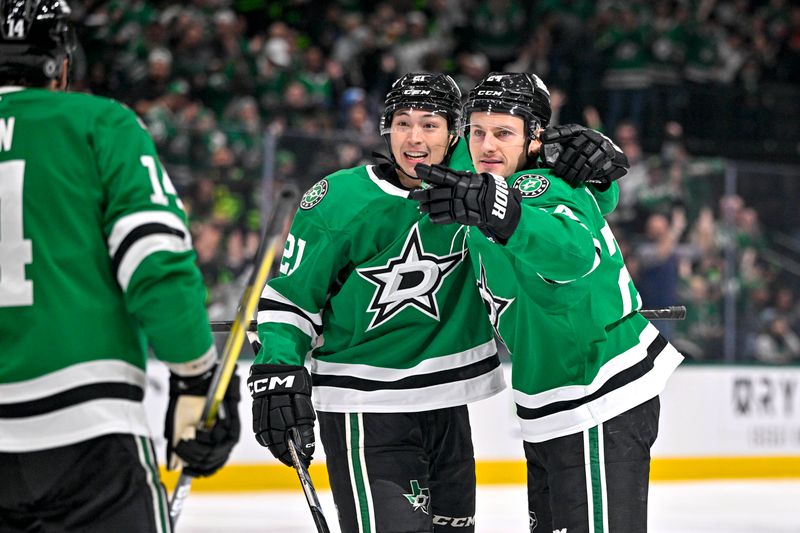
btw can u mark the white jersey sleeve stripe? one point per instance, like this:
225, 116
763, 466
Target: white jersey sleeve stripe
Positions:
146, 246
292, 319
271, 294
125, 225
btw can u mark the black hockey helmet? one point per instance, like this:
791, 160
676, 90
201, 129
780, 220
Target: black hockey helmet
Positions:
514, 93
432, 92
35, 38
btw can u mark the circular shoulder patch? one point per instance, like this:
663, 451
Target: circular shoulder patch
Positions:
531, 185
314, 195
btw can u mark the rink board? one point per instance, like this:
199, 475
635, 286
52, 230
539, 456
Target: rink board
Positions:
717, 422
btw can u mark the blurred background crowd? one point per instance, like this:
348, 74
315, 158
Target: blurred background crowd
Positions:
702, 95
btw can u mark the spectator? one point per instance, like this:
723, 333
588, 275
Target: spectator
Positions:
777, 344
658, 260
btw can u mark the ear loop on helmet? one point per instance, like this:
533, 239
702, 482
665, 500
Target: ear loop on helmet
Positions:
453, 139
531, 160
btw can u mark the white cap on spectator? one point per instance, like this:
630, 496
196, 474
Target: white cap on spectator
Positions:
160, 55
224, 16
277, 51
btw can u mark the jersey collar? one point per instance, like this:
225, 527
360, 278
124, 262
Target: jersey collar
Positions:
386, 186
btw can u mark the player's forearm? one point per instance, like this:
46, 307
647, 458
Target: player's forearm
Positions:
167, 297
282, 344
608, 199
553, 246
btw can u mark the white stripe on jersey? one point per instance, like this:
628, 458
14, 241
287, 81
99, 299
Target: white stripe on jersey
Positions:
607, 406
73, 424
271, 294
342, 400
102, 371
124, 225
434, 364
143, 248
616, 365
292, 319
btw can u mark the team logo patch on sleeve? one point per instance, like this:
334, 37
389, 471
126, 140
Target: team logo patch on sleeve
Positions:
314, 195
531, 185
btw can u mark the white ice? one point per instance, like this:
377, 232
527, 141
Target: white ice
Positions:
698, 507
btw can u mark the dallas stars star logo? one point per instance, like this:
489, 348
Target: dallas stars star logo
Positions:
419, 497
531, 185
495, 305
411, 279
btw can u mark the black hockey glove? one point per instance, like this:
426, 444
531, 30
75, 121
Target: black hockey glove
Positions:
581, 155
482, 200
282, 401
202, 452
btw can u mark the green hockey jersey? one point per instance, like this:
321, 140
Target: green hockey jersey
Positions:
95, 263
383, 300
563, 302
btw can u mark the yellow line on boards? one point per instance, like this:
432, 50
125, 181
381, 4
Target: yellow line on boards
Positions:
700, 468
255, 477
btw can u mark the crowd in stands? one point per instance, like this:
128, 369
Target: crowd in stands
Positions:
234, 91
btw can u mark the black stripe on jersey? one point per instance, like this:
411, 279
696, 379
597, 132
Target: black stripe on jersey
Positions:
265, 304
68, 398
620, 380
137, 233
479, 368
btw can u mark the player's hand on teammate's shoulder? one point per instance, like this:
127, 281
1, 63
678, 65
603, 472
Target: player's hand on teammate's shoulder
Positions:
580, 155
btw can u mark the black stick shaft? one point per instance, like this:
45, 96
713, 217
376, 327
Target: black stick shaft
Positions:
675, 312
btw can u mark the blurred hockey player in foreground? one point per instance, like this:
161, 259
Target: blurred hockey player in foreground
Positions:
96, 263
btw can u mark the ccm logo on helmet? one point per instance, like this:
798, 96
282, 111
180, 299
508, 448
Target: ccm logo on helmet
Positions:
490, 93
271, 383
416, 91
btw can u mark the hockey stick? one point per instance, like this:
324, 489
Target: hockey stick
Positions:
271, 242
305, 481
674, 312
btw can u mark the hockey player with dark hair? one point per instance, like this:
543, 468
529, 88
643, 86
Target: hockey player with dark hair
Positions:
385, 303
96, 262
379, 296
587, 368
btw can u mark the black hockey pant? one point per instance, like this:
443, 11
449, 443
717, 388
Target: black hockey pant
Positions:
102, 485
595, 481
401, 472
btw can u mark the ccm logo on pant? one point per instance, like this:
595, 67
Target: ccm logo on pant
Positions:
466, 521
271, 383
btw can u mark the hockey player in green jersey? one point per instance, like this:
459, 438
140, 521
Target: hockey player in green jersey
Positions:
96, 263
379, 297
587, 368
386, 305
